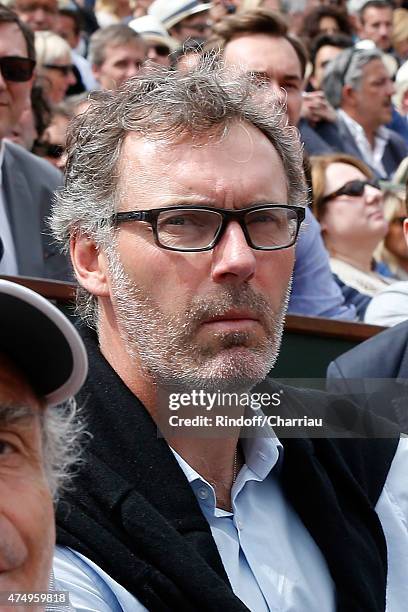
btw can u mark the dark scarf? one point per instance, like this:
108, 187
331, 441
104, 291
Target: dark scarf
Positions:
134, 514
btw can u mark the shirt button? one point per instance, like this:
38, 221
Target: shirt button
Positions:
202, 493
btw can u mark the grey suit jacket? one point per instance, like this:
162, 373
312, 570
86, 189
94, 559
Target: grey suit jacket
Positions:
375, 374
29, 183
341, 140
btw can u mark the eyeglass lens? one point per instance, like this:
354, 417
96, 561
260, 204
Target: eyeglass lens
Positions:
16, 69
196, 229
65, 69
162, 50
356, 188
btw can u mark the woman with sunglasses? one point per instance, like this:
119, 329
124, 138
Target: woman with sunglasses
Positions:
348, 203
54, 65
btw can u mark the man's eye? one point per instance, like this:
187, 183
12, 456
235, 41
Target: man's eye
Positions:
264, 218
290, 86
184, 220
6, 448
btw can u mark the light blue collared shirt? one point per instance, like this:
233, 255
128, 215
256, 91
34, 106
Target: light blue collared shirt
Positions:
271, 560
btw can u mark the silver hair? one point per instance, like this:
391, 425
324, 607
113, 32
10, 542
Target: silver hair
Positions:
346, 69
62, 438
166, 106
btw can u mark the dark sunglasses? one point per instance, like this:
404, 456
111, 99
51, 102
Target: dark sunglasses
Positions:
65, 69
352, 189
46, 149
17, 69
161, 50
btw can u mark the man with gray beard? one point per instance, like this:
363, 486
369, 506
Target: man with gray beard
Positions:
181, 207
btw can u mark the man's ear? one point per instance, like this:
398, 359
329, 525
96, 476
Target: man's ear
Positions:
89, 264
358, 25
348, 95
96, 71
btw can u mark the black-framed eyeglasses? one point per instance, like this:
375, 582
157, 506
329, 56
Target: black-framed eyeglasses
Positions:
65, 69
266, 227
352, 189
17, 69
47, 149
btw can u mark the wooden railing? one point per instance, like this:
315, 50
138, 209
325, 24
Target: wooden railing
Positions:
309, 343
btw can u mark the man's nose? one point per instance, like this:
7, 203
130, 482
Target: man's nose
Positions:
151, 54
391, 88
277, 90
233, 259
133, 69
71, 78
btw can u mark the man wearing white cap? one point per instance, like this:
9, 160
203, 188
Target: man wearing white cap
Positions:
159, 45
42, 363
183, 18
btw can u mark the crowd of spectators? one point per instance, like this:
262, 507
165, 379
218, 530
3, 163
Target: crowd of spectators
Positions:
116, 117
338, 68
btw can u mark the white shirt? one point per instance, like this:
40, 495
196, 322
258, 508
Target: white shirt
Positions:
372, 156
389, 307
8, 263
280, 568
85, 70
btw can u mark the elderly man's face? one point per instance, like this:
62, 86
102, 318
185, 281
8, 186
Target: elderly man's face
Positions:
26, 511
274, 64
208, 316
372, 99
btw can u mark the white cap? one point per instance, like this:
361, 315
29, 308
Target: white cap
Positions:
152, 30
42, 343
170, 12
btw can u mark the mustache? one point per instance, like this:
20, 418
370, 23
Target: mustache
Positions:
230, 297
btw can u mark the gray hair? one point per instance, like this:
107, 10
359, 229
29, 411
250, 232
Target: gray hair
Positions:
116, 34
159, 105
346, 69
62, 438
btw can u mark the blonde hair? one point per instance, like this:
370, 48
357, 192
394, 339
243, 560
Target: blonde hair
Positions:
393, 203
50, 47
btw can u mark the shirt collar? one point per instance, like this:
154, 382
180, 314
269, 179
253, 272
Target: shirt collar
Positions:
356, 128
263, 452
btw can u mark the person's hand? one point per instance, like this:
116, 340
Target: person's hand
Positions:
315, 108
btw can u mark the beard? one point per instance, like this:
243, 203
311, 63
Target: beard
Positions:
167, 347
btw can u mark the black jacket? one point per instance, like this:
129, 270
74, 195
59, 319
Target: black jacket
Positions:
135, 515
